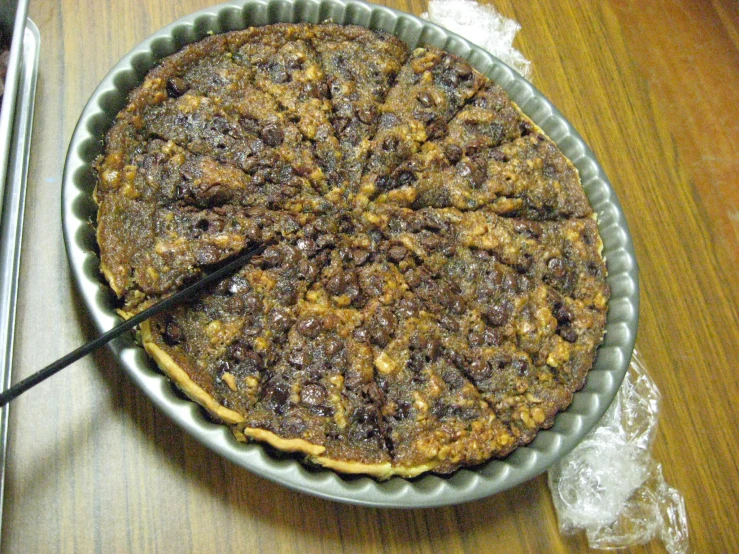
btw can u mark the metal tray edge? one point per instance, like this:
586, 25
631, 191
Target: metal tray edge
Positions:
12, 224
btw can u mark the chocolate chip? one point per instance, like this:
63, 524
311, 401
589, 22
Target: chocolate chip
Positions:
529, 229
365, 417
281, 320
300, 358
249, 124
286, 291
238, 351
253, 232
594, 269
463, 70
340, 124
428, 346
176, 87
307, 270
372, 284
332, 346
562, 313
557, 267
307, 246
384, 316
390, 143
475, 173
430, 241
310, 326
475, 339
479, 369
173, 333
361, 334
493, 337
413, 277
313, 394
272, 135
253, 304
293, 62
382, 183
312, 90
272, 256
453, 153
464, 169
437, 129
479, 175
403, 410
567, 333
360, 256
248, 362
354, 379
381, 326
295, 425
415, 364
338, 284
291, 255
455, 304
510, 282
322, 410
276, 394
449, 78
207, 254
397, 253
407, 308
498, 313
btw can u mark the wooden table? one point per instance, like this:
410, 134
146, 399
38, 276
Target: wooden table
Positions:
652, 87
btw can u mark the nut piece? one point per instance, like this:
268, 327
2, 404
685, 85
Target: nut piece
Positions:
385, 364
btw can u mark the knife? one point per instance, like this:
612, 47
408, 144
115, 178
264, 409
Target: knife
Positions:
33, 380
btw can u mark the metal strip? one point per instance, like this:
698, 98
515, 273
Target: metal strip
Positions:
16, 11
11, 229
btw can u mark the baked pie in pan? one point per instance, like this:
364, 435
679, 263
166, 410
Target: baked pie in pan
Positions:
433, 291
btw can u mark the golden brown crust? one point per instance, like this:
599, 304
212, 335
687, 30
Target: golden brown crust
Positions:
286, 445
379, 471
180, 377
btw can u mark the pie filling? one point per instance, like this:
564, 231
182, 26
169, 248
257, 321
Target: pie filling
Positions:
432, 292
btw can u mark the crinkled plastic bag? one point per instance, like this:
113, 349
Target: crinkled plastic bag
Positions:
611, 487
483, 26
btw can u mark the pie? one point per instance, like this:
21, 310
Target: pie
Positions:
432, 290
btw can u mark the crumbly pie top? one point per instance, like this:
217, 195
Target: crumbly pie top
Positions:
432, 293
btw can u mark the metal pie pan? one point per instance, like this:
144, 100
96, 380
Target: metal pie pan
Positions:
570, 426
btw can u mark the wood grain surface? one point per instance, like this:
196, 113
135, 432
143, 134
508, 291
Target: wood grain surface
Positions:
651, 86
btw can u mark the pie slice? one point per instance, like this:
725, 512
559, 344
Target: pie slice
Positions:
287, 67
360, 68
430, 89
527, 177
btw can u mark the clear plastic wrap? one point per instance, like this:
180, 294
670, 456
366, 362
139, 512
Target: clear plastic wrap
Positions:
481, 25
611, 487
